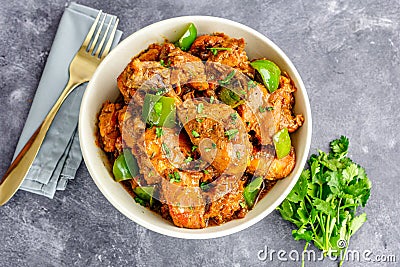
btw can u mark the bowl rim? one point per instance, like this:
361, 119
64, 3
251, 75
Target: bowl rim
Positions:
193, 234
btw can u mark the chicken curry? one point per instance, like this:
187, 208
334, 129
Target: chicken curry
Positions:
200, 133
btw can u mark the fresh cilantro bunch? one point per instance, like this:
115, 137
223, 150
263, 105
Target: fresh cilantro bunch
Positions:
324, 201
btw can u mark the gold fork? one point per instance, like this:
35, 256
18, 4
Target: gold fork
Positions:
81, 69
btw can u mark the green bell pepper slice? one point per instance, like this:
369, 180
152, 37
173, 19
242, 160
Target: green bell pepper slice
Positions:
125, 166
188, 37
251, 191
159, 110
282, 143
230, 98
145, 193
120, 169
131, 162
269, 72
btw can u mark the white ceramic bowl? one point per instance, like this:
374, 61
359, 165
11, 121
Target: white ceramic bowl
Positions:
103, 86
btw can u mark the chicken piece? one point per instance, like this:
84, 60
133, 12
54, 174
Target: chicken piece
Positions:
232, 53
186, 68
260, 121
222, 141
189, 95
260, 162
252, 125
188, 217
175, 56
108, 126
283, 100
136, 73
235, 56
121, 117
133, 134
183, 195
201, 45
210, 93
157, 156
119, 145
166, 152
223, 209
290, 121
185, 200
263, 163
152, 53
280, 168
134, 137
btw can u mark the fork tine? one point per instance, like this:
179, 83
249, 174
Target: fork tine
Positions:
96, 37
110, 40
100, 46
91, 31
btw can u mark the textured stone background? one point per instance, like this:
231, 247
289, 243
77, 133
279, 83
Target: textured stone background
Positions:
348, 55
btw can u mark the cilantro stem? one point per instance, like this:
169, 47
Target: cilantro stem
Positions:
327, 233
302, 255
320, 191
343, 256
321, 223
316, 242
338, 209
349, 206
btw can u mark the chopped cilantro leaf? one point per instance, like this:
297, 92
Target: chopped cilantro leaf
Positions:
212, 99
215, 50
161, 91
166, 149
176, 177
263, 109
227, 79
251, 84
159, 132
195, 134
231, 133
234, 117
204, 186
162, 62
200, 108
188, 159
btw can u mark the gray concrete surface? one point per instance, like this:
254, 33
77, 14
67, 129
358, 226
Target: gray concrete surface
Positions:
348, 55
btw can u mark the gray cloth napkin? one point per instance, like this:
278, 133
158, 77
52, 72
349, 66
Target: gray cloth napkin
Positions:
60, 155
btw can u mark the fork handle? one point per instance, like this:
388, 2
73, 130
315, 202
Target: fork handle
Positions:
18, 169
